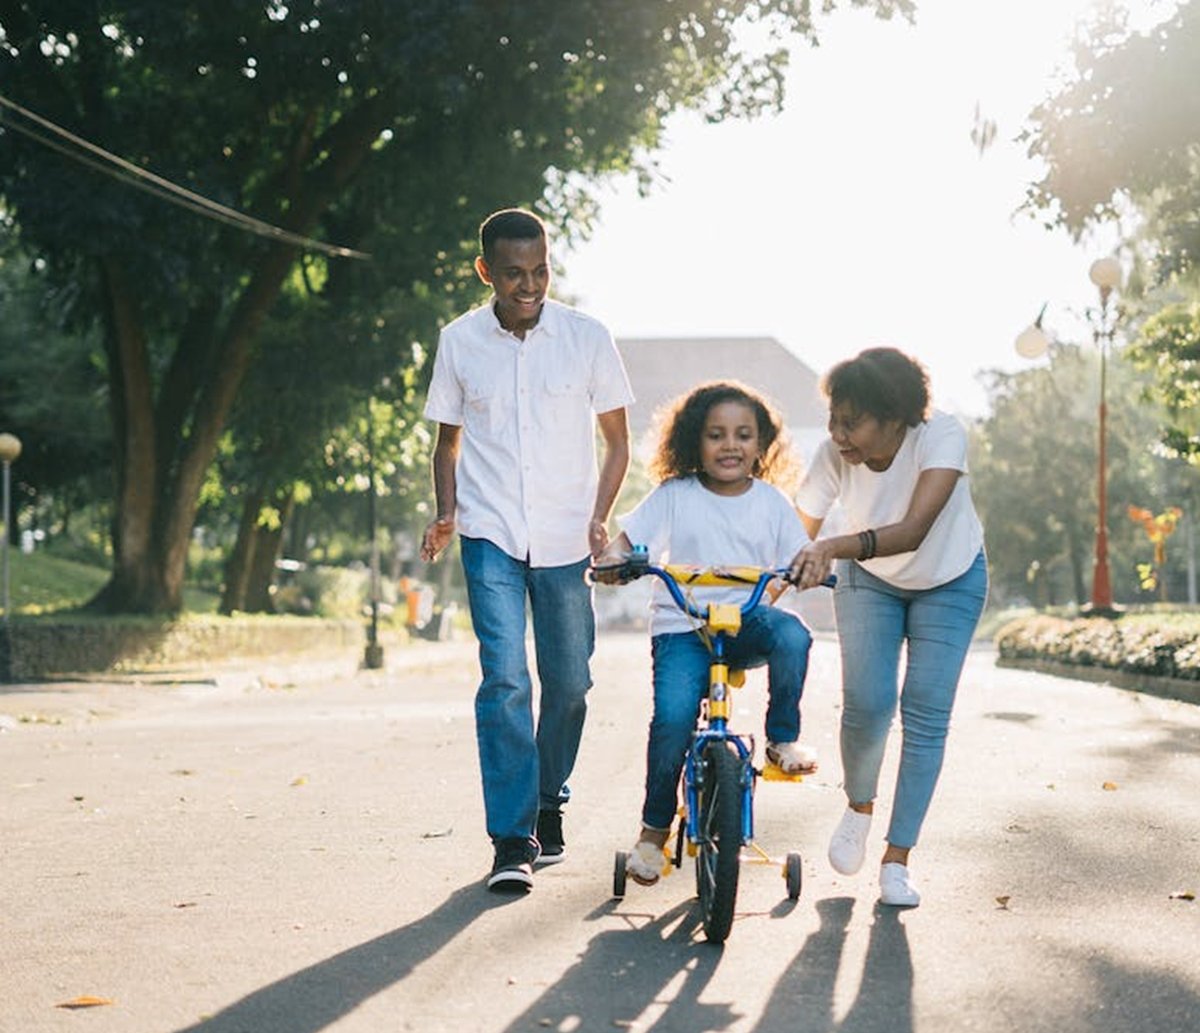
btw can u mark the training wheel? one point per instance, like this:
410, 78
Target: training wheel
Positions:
793, 872
619, 863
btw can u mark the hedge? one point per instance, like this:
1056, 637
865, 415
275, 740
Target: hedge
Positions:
1135, 647
48, 647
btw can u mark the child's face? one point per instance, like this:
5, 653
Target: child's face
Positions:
729, 447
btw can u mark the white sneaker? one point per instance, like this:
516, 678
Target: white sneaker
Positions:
848, 845
896, 887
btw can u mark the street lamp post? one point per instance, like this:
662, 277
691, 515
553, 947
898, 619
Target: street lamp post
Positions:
1105, 273
1031, 343
10, 448
373, 653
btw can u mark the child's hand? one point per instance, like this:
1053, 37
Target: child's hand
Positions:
610, 570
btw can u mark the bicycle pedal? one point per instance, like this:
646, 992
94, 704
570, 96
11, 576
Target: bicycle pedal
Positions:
774, 773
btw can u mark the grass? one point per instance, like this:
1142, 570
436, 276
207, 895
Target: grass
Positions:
41, 583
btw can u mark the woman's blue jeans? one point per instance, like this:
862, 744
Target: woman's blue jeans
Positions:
523, 769
768, 636
874, 620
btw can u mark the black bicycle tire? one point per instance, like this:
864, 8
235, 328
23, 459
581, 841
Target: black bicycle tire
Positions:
793, 873
719, 845
619, 869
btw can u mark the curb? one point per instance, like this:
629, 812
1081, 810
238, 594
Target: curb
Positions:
1183, 690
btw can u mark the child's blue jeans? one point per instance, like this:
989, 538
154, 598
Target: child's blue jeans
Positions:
874, 619
768, 636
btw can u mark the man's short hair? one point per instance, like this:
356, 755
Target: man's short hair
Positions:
509, 224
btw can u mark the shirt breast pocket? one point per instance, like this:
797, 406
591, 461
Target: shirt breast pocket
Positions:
482, 407
566, 395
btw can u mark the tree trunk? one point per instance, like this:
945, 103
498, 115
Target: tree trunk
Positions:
237, 567
266, 552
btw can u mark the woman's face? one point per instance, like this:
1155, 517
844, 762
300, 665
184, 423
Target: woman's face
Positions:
863, 438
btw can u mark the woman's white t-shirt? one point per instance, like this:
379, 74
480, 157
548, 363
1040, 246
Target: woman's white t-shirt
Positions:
872, 499
682, 522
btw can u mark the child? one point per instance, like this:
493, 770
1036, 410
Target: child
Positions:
719, 458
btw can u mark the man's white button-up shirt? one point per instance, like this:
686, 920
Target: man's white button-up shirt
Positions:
527, 472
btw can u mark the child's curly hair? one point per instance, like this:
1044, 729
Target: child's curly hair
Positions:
681, 424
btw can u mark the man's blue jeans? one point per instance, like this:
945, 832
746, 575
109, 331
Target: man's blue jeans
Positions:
874, 619
768, 636
524, 770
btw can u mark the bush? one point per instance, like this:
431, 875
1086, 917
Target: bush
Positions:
1139, 644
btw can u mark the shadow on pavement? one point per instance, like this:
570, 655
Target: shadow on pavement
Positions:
803, 998
316, 997
621, 975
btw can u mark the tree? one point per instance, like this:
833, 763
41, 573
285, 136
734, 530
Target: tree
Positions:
385, 127
1033, 467
1122, 135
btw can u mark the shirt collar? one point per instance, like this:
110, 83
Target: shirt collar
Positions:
549, 322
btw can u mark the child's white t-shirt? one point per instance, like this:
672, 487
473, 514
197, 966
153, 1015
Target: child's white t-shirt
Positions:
872, 498
681, 521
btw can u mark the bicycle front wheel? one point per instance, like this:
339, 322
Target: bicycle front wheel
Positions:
719, 842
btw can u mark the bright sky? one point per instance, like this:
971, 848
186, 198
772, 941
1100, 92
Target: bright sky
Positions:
864, 214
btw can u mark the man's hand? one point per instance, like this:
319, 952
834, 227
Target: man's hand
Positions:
438, 535
597, 537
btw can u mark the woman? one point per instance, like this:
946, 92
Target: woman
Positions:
911, 572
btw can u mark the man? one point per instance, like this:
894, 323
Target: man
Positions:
518, 388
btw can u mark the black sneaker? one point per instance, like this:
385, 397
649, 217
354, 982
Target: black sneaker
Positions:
549, 834
512, 871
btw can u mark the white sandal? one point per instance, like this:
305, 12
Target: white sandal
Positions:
648, 858
791, 758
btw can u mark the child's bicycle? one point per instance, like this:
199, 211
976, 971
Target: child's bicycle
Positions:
718, 773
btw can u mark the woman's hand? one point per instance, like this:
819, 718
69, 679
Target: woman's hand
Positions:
812, 564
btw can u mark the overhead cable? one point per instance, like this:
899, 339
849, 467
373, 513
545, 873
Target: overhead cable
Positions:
133, 175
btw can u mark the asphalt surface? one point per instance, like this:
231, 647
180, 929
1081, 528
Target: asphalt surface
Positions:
286, 849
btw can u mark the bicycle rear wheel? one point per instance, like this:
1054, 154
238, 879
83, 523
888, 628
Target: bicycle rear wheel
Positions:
719, 843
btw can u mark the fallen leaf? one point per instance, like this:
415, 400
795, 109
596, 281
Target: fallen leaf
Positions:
1109, 786
1182, 895
185, 903
300, 780
86, 1001
439, 834
1003, 902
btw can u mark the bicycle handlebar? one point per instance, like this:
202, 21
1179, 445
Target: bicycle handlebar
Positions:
637, 564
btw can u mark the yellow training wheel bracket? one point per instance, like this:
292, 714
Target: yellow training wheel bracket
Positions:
726, 617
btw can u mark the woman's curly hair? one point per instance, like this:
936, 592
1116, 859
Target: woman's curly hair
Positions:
880, 382
681, 425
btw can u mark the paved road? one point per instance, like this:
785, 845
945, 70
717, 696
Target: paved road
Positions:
294, 851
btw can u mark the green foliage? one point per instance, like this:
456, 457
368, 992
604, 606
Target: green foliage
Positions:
1124, 134
1034, 474
391, 128
1126, 125
1168, 345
